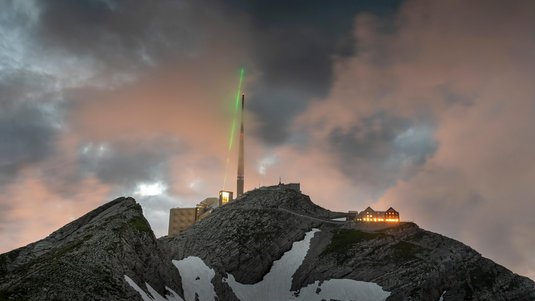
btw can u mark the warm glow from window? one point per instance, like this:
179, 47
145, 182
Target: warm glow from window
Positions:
225, 197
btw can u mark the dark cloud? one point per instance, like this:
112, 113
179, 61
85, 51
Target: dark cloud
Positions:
380, 150
127, 35
27, 136
21, 85
294, 46
288, 47
126, 164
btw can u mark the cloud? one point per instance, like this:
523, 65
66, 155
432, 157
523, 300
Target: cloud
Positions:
34, 211
433, 118
381, 150
27, 136
465, 67
294, 52
127, 164
117, 35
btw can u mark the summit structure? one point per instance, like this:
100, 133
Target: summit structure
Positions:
240, 179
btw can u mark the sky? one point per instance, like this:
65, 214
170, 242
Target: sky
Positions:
425, 106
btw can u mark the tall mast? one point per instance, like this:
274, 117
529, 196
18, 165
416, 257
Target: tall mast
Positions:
240, 181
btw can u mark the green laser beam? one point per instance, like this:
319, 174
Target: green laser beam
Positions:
237, 105
234, 122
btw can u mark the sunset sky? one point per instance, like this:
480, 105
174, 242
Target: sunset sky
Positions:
425, 106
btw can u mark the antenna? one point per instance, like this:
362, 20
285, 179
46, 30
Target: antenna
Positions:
241, 178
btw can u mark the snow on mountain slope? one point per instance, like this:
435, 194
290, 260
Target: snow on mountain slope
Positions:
276, 284
196, 278
152, 295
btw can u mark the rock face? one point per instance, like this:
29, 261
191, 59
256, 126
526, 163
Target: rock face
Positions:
88, 258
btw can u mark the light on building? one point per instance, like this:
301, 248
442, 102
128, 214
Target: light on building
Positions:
225, 197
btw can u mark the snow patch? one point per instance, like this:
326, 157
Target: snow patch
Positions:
153, 295
342, 289
276, 284
196, 278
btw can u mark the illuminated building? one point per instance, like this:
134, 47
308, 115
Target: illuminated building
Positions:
370, 215
225, 197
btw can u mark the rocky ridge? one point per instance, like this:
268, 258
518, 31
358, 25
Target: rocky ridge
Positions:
88, 258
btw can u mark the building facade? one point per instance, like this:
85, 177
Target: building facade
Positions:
180, 219
370, 215
352, 215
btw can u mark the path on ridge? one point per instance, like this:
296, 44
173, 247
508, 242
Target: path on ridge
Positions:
313, 218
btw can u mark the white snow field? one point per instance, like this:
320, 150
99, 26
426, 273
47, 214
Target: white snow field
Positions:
276, 284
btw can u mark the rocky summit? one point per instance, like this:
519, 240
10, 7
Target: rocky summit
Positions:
270, 244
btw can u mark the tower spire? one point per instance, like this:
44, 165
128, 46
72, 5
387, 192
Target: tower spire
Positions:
240, 180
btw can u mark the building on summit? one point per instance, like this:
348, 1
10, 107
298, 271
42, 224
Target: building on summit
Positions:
370, 215
225, 197
352, 215
182, 218
283, 186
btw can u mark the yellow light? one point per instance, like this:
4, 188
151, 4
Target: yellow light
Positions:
225, 197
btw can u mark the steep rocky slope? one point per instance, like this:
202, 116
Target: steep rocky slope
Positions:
89, 258
245, 237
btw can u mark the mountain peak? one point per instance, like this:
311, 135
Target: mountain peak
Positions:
86, 258
251, 243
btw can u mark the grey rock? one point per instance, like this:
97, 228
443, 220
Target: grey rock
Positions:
88, 258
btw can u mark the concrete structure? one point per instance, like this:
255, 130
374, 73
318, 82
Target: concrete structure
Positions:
241, 176
205, 207
291, 186
351, 215
370, 215
282, 186
180, 219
